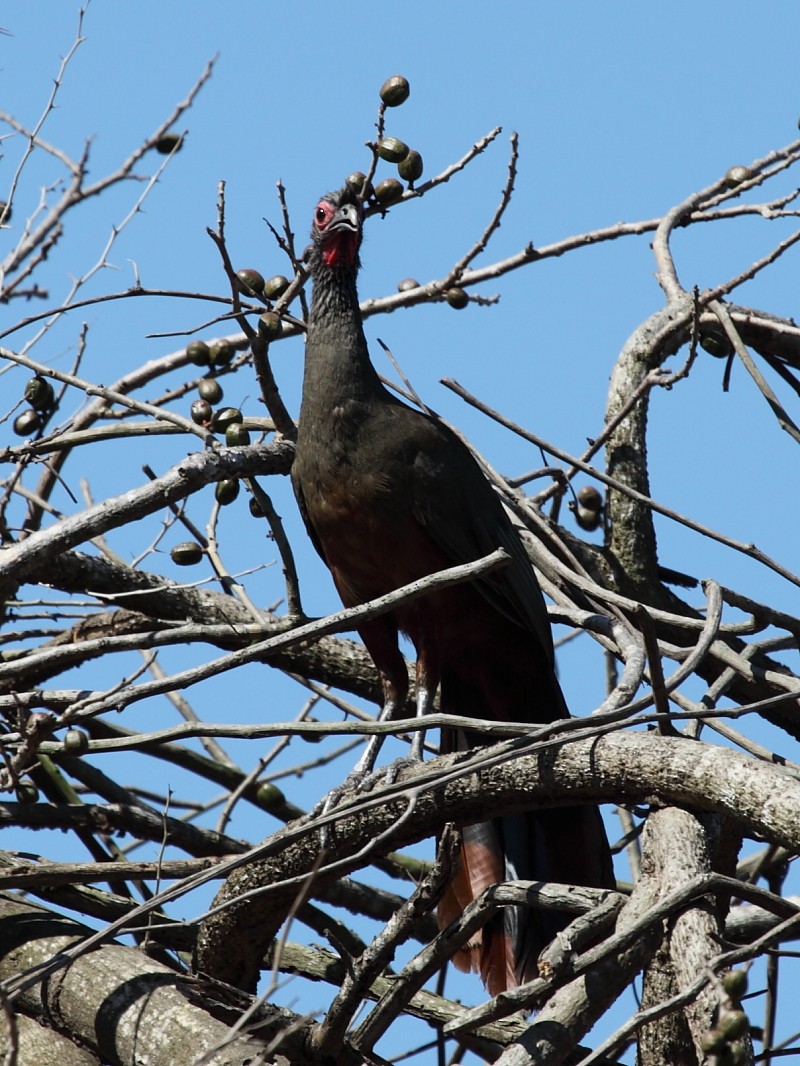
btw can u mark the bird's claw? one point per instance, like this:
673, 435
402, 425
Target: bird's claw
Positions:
356, 782
405, 762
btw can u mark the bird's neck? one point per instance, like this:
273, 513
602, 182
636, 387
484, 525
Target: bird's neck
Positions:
337, 366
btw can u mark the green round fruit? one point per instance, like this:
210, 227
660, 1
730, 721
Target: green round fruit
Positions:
189, 553
221, 353
236, 436
226, 491
276, 287
407, 284
27, 422
198, 352
269, 796
392, 149
250, 282
588, 509
395, 90
735, 176
716, 342
39, 393
356, 180
76, 742
201, 412
225, 417
255, 507
457, 298
735, 983
712, 1041
169, 142
209, 389
733, 1024
269, 325
410, 168
590, 498
389, 191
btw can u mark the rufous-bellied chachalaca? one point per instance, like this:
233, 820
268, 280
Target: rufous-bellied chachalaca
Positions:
389, 495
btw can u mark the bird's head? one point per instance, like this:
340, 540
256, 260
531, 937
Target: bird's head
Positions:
336, 229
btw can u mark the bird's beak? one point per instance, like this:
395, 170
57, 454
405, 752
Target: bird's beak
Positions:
346, 218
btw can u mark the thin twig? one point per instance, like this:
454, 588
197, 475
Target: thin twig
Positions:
746, 549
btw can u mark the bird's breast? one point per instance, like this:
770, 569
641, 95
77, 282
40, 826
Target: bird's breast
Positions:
343, 503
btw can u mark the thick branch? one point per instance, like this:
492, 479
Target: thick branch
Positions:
675, 850
631, 767
202, 468
114, 1000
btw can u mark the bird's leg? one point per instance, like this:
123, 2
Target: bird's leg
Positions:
391, 704
361, 774
428, 673
424, 701
380, 638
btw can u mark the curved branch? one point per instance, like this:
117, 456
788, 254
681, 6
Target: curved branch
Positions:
620, 767
192, 473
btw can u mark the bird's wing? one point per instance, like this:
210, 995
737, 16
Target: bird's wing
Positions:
463, 514
303, 508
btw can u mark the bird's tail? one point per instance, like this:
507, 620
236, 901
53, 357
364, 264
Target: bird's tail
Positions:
567, 845
492, 950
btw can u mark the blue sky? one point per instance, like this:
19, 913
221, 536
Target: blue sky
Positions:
623, 109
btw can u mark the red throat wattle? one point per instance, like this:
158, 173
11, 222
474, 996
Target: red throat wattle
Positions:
340, 248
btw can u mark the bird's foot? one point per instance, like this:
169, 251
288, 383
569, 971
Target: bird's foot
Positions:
363, 779
405, 762
356, 782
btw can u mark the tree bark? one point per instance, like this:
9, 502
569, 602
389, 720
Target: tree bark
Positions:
619, 767
675, 850
40, 1046
121, 1006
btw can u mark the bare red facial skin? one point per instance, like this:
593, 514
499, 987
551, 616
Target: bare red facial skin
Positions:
340, 246
323, 214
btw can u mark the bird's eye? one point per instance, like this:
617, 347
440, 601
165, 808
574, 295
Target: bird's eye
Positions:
322, 214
